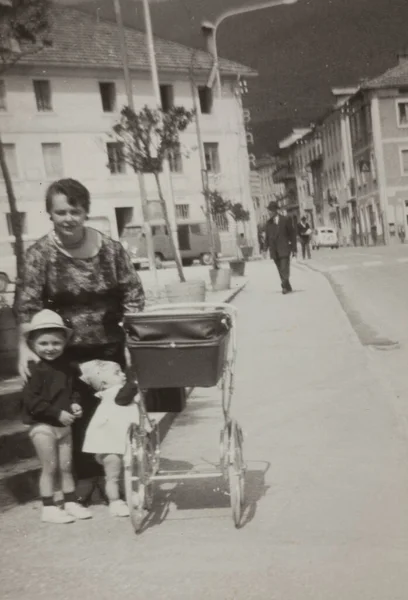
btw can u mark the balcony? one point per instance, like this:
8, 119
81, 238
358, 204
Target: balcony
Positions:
283, 172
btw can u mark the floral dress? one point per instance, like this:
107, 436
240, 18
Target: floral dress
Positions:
91, 294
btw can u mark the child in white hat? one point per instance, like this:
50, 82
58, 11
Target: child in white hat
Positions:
50, 406
106, 433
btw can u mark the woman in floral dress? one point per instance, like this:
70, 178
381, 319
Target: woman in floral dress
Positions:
88, 279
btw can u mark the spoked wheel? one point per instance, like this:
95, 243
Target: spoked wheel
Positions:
236, 471
138, 462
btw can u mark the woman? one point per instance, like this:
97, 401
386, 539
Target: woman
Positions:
88, 279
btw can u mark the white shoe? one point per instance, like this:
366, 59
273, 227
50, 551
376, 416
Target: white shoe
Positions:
77, 510
118, 508
53, 514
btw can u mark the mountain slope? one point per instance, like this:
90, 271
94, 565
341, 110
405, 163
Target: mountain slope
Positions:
300, 51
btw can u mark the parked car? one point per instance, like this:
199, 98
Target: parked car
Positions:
193, 238
325, 237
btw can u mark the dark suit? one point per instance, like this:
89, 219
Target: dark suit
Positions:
281, 241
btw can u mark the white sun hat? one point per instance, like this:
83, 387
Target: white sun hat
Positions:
47, 319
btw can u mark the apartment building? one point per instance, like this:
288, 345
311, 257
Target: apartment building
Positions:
379, 133
264, 189
287, 173
58, 107
338, 168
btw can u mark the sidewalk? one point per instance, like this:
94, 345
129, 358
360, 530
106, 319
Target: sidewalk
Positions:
326, 513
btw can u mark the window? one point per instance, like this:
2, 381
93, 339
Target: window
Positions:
212, 160
11, 159
167, 97
175, 161
107, 91
222, 222
205, 95
23, 222
52, 160
116, 159
182, 211
403, 114
3, 105
404, 161
42, 91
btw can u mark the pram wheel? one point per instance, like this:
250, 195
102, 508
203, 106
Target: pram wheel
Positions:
139, 467
236, 471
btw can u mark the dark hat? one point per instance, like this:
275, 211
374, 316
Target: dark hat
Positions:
273, 206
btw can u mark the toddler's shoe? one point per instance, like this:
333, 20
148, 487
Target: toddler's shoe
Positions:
53, 514
118, 508
77, 510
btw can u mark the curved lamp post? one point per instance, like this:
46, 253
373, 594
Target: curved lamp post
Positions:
209, 29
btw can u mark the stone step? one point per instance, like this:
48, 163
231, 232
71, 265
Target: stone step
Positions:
14, 442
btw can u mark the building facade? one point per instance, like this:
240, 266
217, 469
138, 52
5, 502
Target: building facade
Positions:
58, 107
264, 189
379, 130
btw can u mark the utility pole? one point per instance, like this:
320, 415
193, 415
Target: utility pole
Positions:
140, 176
204, 173
171, 205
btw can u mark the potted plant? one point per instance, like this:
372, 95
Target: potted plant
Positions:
218, 206
239, 214
147, 137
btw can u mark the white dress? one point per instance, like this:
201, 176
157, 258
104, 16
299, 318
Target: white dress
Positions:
106, 432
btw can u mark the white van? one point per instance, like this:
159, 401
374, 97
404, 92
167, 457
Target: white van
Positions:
325, 237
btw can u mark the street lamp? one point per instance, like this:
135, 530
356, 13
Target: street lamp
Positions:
209, 29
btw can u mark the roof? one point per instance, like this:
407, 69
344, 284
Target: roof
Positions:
394, 77
79, 40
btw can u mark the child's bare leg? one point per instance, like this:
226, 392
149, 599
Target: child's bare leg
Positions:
46, 448
65, 463
112, 464
71, 504
45, 442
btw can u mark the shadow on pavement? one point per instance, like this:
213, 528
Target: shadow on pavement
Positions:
255, 490
201, 494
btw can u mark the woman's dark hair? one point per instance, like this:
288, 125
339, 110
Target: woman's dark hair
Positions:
76, 193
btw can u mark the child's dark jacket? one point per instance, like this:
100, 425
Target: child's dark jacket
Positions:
50, 389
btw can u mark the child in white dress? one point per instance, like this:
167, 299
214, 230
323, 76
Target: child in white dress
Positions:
106, 433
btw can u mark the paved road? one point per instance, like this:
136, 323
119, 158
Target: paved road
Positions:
372, 286
326, 514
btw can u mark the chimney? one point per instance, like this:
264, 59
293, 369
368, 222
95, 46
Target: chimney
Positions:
403, 56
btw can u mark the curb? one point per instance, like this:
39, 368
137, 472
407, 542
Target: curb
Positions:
19, 479
365, 334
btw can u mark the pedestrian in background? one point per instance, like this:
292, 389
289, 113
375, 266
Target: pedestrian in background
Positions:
304, 232
374, 234
281, 241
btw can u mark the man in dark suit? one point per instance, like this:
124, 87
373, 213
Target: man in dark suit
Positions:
281, 241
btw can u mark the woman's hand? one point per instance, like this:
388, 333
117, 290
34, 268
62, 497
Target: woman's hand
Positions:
66, 418
25, 355
76, 410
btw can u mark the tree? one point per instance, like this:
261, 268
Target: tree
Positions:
24, 30
222, 206
147, 138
